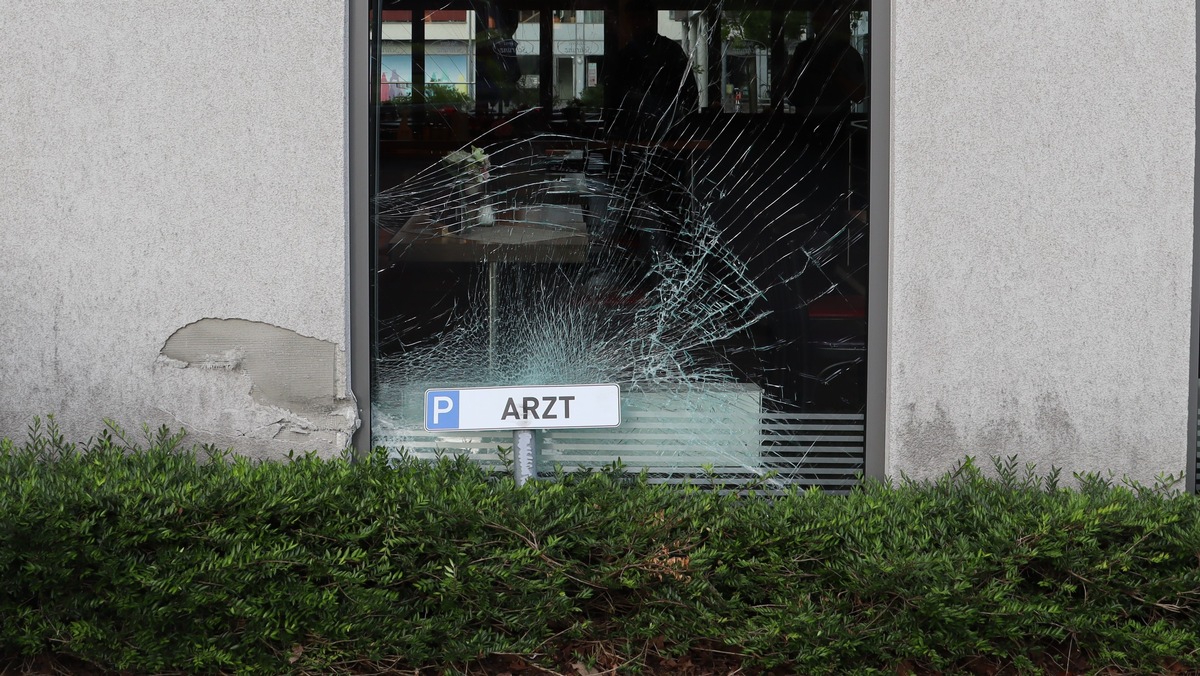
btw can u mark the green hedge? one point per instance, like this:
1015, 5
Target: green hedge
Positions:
150, 557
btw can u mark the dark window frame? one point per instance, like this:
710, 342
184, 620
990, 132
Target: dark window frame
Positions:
1193, 420
361, 157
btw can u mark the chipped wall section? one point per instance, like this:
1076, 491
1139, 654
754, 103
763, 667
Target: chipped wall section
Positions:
189, 185
292, 382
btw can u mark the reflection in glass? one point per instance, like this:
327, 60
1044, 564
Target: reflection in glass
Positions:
671, 197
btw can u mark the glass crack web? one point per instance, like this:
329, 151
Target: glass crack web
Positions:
700, 244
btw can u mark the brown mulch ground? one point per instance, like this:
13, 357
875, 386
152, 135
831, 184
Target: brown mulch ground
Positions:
697, 663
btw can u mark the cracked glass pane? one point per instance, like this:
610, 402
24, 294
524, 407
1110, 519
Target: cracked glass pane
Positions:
669, 196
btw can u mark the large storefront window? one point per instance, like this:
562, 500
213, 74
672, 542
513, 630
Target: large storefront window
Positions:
669, 196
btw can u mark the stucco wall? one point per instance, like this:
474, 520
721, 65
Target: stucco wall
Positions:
166, 166
1041, 236
170, 166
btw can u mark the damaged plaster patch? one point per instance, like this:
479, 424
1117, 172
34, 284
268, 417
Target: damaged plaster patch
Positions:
293, 381
285, 367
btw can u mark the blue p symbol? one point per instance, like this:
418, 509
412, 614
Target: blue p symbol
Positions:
441, 410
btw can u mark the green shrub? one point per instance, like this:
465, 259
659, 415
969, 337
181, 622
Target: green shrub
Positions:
154, 557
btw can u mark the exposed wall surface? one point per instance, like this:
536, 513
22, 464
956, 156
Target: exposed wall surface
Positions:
1041, 243
167, 167
173, 226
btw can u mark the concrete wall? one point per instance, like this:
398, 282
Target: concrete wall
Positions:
173, 226
173, 219
1041, 242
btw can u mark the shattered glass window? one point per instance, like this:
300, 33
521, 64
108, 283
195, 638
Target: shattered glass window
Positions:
670, 196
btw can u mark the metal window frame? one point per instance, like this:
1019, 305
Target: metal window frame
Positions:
360, 158
358, 187
1194, 351
879, 256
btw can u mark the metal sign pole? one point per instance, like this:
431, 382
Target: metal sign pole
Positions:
525, 452
491, 273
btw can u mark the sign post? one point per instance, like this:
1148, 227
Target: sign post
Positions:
525, 456
524, 410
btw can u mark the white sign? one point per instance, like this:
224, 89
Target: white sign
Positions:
521, 408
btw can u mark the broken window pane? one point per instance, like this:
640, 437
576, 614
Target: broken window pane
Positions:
669, 196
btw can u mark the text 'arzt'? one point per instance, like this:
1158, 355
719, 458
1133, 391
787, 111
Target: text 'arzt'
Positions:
537, 409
